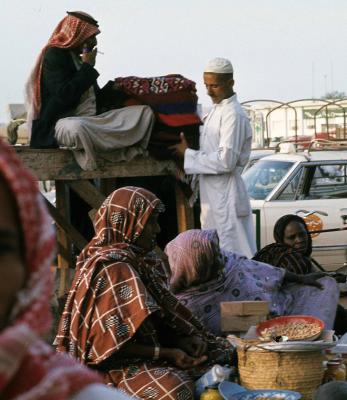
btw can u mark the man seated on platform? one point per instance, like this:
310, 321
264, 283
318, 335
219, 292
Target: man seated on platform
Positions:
63, 99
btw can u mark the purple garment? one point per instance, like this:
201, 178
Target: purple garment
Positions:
237, 278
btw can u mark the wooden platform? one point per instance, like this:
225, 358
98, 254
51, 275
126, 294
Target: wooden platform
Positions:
60, 166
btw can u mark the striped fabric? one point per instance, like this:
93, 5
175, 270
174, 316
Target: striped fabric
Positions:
282, 256
29, 369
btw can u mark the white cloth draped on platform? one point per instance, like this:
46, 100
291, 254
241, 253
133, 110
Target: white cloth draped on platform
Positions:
116, 135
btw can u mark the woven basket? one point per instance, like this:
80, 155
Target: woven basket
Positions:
265, 369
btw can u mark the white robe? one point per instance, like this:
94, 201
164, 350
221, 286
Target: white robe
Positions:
225, 146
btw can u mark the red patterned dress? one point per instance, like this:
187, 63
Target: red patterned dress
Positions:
119, 295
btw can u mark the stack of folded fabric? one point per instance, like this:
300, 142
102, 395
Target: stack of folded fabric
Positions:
174, 101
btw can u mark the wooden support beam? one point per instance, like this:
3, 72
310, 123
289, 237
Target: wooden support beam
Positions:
88, 192
60, 214
77, 239
185, 214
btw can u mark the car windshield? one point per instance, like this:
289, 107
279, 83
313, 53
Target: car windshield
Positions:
263, 176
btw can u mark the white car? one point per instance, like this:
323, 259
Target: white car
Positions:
256, 155
311, 184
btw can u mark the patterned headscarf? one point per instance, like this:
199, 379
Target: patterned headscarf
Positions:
122, 217
27, 364
118, 284
193, 258
71, 32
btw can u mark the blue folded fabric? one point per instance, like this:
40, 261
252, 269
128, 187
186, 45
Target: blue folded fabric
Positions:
233, 391
175, 108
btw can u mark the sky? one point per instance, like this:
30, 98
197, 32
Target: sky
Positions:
280, 49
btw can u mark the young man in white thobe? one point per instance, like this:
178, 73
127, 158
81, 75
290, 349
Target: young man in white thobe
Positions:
225, 146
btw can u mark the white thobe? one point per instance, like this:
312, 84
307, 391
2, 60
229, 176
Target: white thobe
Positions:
225, 146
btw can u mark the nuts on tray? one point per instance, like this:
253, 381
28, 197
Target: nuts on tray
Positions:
294, 330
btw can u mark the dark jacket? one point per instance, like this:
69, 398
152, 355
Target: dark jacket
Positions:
62, 86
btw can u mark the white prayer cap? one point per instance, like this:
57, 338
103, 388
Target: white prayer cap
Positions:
219, 65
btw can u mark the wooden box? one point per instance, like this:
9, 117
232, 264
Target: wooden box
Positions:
234, 323
239, 316
243, 308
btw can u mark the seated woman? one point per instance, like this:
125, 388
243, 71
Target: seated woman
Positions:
292, 251
65, 104
29, 368
292, 248
120, 318
203, 275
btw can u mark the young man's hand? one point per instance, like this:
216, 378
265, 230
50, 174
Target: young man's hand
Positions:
179, 148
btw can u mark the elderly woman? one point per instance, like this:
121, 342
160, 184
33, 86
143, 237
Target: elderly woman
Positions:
203, 275
29, 369
65, 104
120, 318
292, 251
292, 248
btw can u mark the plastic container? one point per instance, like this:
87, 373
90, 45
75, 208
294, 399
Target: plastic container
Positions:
211, 393
210, 379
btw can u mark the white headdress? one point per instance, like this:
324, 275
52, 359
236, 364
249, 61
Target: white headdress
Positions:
219, 65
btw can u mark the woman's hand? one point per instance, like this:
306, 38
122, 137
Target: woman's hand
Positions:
340, 278
307, 279
194, 345
312, 279
182, 360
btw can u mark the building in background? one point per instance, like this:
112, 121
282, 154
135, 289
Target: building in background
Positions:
306, 119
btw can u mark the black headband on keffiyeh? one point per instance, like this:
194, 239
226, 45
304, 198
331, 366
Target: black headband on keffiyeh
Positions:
84, 17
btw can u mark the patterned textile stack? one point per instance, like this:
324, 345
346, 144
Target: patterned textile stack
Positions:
174, 101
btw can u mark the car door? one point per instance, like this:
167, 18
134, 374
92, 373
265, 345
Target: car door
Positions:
316, 191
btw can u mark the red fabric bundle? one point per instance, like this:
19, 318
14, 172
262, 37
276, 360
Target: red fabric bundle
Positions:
174, 101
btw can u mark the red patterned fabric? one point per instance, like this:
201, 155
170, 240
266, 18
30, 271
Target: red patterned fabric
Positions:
117, 289
154, 99
172, 97
173, 100
71, 32
157, 85
28, 367
118, 285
